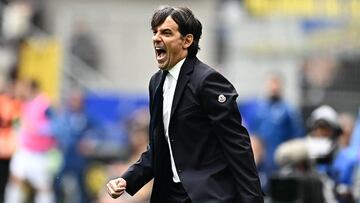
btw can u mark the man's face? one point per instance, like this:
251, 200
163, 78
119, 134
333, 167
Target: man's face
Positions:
322, 132
170, 46
274, 87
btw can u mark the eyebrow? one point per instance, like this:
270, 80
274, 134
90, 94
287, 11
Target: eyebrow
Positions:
166, 29
163, 30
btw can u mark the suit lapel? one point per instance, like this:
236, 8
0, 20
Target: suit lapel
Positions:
158, 82
183, 79
154, 106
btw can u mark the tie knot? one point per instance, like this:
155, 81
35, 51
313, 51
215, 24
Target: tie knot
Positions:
165, 72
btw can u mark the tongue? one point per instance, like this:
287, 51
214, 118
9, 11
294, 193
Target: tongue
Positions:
161, 56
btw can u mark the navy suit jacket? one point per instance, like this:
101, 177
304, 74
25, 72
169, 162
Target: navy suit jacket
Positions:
211, 148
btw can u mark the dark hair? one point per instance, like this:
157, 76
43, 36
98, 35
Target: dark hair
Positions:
186, 21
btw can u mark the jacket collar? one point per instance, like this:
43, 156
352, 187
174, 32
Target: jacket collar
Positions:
186, 69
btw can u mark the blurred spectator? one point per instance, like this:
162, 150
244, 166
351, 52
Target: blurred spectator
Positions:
347, 123
355, 138
137, 127
355, 144
345, 161
9, 112
72, 126
275, 122
35, 160
319, 150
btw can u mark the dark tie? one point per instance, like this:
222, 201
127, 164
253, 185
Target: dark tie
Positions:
158, 140
161, 153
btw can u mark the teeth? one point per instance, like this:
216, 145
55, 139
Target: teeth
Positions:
159, 49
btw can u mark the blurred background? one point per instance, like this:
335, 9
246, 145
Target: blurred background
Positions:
73, 93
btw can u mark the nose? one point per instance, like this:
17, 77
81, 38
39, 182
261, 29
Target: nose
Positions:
156, 37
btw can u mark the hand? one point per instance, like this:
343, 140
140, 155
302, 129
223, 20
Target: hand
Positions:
116, 187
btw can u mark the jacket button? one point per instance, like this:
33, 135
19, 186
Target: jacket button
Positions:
179, 170
172, 140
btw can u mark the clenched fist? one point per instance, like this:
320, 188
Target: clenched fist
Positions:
116, 187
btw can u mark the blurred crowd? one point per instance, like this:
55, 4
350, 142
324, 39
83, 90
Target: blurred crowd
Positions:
314, 159
58, 153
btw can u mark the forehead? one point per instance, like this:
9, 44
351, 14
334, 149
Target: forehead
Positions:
169, 23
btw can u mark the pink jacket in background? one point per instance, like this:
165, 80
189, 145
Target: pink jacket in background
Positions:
34, 129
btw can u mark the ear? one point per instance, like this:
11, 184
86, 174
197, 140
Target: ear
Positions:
188, 40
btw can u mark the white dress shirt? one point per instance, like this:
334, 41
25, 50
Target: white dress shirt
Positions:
169, 91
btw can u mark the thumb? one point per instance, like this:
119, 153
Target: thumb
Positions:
121, 182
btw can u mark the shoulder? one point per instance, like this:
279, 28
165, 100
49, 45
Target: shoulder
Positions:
155, 77
205, 80
202, 70
204, 73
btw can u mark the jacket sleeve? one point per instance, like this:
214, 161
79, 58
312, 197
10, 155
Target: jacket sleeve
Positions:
141, 172
218, 98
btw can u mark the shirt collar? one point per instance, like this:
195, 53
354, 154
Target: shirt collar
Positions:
175, 71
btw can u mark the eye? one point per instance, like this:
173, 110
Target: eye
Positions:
167, 32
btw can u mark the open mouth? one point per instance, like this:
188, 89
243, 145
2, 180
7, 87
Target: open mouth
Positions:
160, 54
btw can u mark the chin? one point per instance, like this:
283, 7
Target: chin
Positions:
163, 67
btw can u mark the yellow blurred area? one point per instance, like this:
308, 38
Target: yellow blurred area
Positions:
304, 8
40, 60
